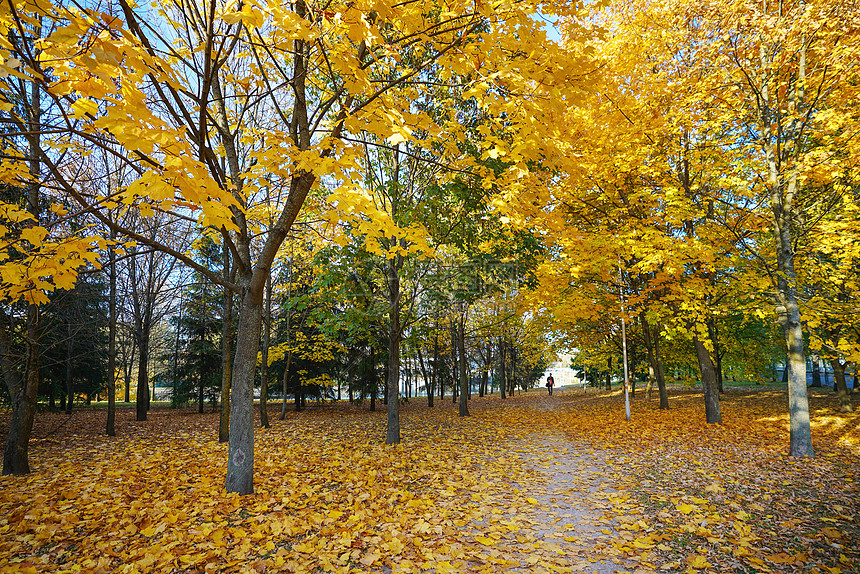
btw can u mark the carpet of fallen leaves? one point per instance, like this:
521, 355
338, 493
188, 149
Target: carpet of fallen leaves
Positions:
530, 484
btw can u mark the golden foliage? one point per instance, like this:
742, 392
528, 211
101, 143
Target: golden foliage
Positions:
461, 494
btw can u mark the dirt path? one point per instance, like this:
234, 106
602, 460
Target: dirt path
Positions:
579, 511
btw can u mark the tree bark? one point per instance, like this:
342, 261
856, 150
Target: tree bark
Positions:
655, 364
513, 370
714, 334
709, 382
240, 458
503, 367
464, 379
110, 427
609, 373
21, 391
841, 385
69, 350
142, 398
264, 367
392, 433
661, 375
24, 393
434, 377
127, 366
816, 371
226, 352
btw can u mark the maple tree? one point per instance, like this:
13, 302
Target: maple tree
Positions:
772, 88
712, 165
234, 99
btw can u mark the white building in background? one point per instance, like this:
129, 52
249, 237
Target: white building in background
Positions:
561, 372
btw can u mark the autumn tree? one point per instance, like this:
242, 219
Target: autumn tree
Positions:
233, 99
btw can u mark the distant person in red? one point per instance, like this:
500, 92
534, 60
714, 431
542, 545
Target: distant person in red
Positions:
549, 383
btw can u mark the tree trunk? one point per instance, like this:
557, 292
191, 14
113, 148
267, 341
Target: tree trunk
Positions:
714, 334
200, 385
70, 392
503, 368
264, 367
434, 377
21, 391
392, 433
609, 373
428, 385
800, 438
440, 379
464, 379
841, 385
127, 365
649, 349
709, 383
661, 375
226, 353
374, 387
110, 427
240, 458
782, 161
513, 370
285, 381
142, 398
24, 394
485, 375
816, 371
174, 399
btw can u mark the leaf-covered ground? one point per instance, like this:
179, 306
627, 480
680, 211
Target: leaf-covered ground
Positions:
530, 484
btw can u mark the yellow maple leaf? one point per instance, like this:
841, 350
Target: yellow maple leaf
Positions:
697, 561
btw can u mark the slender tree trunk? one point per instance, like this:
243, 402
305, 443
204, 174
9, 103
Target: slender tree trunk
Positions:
23, 394
142, 397
428, 385
503, 368
800, 441
434, 377
464, 379
816, 371
226, 353
110, 428
709, 383
609, 373
841, 385
21, 391
485, 375
649, 349
513, 370
285, 382
782, 160
392, 433
375, 385
240, 460
69, 350
714, 334
264, 368
437, 373
201, 382
127, 365
174, 399
658, 364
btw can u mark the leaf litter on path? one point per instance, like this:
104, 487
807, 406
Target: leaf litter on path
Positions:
530, 484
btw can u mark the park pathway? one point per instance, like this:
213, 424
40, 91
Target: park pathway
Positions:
578, 515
